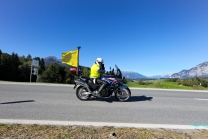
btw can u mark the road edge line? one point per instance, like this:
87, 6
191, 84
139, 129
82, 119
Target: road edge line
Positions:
100, 124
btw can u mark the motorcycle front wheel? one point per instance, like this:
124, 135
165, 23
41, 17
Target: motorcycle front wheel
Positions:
81, 93
123, 95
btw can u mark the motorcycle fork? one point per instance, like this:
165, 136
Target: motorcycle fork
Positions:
116, 89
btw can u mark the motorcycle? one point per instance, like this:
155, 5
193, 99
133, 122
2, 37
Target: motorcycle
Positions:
85, 88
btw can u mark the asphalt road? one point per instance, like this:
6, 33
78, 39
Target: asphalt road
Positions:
59, 102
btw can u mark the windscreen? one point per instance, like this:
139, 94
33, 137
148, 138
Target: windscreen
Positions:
118, 72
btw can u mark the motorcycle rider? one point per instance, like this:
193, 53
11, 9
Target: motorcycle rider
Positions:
95, 74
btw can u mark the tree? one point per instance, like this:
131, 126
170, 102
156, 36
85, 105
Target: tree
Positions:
25, 69
6, 66
28, 58
0, 56
15, 62
51, 74
22, 59
86, 72
1, 67
41, 66
62, 72
15, 68
69, 77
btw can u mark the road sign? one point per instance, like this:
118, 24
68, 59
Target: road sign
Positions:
35, 63
35, 71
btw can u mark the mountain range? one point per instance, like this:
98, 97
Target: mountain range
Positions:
167, 75
51, 59
200, 70
132, 75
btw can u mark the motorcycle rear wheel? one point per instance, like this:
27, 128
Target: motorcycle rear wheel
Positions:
80, 92
123, 95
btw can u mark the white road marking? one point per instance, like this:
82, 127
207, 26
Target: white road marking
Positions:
160, 89
185, 98
99, 124
200, 99
195, 99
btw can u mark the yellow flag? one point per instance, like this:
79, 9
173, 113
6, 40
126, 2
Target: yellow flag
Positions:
70, 58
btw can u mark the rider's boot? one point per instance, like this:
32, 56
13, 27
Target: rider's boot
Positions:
96, 94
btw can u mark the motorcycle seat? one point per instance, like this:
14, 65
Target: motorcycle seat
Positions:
85, 79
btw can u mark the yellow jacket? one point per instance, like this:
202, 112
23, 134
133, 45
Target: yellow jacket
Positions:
94, 71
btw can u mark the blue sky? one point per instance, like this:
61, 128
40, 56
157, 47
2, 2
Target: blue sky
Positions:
151, 37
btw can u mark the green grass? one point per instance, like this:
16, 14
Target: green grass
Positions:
164, 85
17, 131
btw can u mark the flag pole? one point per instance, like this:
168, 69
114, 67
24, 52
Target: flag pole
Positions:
31, 71
78, 62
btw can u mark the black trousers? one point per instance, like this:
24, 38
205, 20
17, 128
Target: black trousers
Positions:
99, 81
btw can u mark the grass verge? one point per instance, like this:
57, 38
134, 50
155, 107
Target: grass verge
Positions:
165, 85
88, 132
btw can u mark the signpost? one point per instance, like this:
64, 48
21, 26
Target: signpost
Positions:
35, 64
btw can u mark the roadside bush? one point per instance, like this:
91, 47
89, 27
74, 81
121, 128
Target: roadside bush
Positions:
172, 79
144, 82
158, 85
179, 82
197, 87
69, 81
193, 82
188, 82
204, 83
